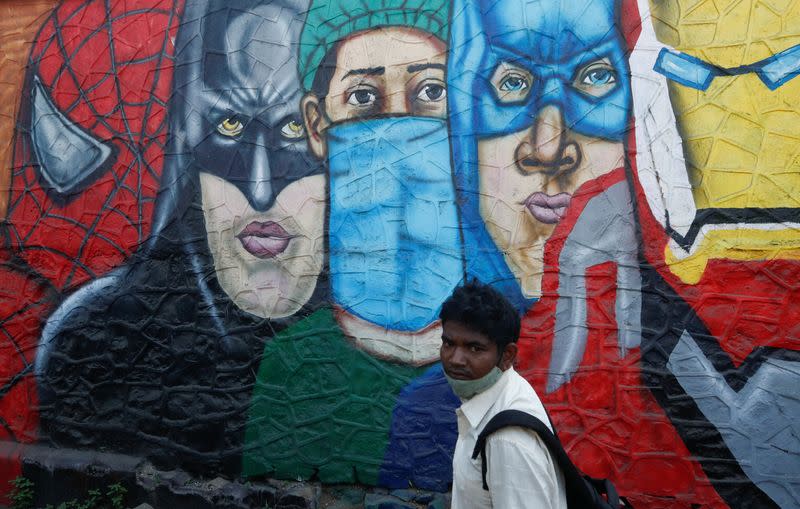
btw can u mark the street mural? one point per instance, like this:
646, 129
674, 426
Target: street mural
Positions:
231, 225
88, 152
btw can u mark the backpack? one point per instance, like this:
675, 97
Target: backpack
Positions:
583, 492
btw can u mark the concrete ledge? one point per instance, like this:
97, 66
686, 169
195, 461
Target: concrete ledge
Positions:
62, 474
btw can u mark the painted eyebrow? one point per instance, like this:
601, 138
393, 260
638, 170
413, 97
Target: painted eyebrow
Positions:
368, 71
422, 67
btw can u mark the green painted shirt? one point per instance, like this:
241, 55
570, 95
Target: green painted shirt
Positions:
321, 408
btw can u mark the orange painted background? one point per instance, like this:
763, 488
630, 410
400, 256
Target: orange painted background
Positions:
19, 22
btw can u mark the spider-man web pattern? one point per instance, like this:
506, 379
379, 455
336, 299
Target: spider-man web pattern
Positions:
107, 69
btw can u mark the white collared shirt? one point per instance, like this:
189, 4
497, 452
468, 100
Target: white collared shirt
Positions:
521, 472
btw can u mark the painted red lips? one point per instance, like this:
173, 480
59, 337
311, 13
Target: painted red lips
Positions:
546, 208
264, 239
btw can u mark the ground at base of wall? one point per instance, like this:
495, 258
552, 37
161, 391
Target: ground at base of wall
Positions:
61, 475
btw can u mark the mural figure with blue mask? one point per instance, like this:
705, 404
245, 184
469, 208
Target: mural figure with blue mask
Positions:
158, 358
375, 113
378, 122
538, 126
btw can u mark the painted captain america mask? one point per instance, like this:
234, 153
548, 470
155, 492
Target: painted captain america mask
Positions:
534, 55
545, 112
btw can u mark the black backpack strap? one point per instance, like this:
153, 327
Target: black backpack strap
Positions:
577, 487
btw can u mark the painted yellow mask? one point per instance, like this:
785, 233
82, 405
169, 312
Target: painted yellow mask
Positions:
735, 90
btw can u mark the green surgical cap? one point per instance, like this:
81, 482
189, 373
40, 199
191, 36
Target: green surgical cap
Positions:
330, 21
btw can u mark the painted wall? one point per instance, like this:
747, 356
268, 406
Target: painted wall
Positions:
230, 227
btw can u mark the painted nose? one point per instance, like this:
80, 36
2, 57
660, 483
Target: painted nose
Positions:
544, 148
396, 103
260, 187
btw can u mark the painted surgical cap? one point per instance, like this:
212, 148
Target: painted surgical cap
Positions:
330, 21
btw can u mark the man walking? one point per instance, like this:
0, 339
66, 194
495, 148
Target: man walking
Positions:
480, 331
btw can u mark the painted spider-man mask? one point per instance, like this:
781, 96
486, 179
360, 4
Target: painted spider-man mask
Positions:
89, 147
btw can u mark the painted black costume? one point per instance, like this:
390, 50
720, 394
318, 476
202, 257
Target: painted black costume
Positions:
154, 359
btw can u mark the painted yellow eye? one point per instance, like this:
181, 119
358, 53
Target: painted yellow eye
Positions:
230, 127
293, 130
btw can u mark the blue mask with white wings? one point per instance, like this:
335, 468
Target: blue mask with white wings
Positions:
508, 60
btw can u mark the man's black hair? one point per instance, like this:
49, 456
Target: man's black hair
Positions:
482, 308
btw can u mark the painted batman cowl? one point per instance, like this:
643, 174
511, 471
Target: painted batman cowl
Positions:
155, 359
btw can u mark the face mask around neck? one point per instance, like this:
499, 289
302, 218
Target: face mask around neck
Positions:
466, 389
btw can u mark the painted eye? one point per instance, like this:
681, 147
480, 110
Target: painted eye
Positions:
362, 97
230, 127
514, 83
293, 130
599, 77
596, 79
432, 92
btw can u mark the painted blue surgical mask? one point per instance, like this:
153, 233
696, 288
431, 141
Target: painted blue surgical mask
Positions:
395, 248
508, 60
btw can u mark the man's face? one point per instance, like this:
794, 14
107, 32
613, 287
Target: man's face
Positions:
386, 71
467, 354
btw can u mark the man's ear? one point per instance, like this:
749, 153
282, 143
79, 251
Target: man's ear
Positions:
508, 357
315, 124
